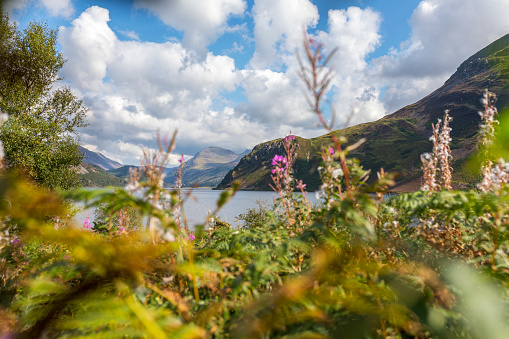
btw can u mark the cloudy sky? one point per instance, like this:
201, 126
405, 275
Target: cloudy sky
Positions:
224, 72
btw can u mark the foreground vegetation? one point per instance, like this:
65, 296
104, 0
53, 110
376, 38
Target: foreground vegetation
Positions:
433, 263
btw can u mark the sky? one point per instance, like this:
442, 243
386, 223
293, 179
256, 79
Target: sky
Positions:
224, 72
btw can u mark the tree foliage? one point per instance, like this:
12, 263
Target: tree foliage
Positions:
40, 136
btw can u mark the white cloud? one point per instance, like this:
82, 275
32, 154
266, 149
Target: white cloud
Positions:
236, 48
14, 5
59, 7
136, 88
444, 34
201, 21
278, 28
150, 86
273, 98
89, 45
355, 32
130, 34
54, 7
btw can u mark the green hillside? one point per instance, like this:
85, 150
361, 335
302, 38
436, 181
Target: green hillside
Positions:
93, 176
396, 141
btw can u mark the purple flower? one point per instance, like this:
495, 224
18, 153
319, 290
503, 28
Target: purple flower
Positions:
17, 242
280, 163
300, 185
290, 137
331, 150
87, 224
182, 159
191, 237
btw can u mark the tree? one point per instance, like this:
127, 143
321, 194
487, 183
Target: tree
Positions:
40, 137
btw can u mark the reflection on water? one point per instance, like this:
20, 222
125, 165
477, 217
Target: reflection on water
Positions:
205, 199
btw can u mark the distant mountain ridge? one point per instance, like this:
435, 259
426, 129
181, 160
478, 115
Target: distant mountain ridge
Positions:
207, 168
396, 141
98, 159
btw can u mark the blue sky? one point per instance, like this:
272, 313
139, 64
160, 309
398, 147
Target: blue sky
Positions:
224, 72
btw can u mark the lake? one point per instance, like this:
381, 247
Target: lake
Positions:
196, 210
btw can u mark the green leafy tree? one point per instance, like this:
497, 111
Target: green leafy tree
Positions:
40, 136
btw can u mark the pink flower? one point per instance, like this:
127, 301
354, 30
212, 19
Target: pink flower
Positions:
182, 159
280, 164
87, 224
331, 150
191, 237
290, 137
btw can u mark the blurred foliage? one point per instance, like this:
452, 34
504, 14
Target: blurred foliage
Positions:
410, 265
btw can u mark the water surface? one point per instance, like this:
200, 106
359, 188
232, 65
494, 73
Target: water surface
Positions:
205, 201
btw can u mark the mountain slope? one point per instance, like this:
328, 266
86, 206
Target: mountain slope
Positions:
396, 141
93, 176
208, 167
98, 159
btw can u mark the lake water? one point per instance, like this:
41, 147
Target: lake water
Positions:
196, 210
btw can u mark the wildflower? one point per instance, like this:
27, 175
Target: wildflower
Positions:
192, 237
300, 185
87, 224
437, 164
331, 151
280, 162
17, 242
182, 159
337, 172
289, 137
278, 159
168, 235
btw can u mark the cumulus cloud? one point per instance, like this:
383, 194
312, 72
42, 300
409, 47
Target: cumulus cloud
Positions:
444, 33
89, 44
136, 88
278, 29
355, 32
272, 98
201, 21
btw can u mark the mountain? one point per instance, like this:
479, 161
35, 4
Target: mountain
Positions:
396, 141
94, 176
98, 159
121, 172
207, 168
